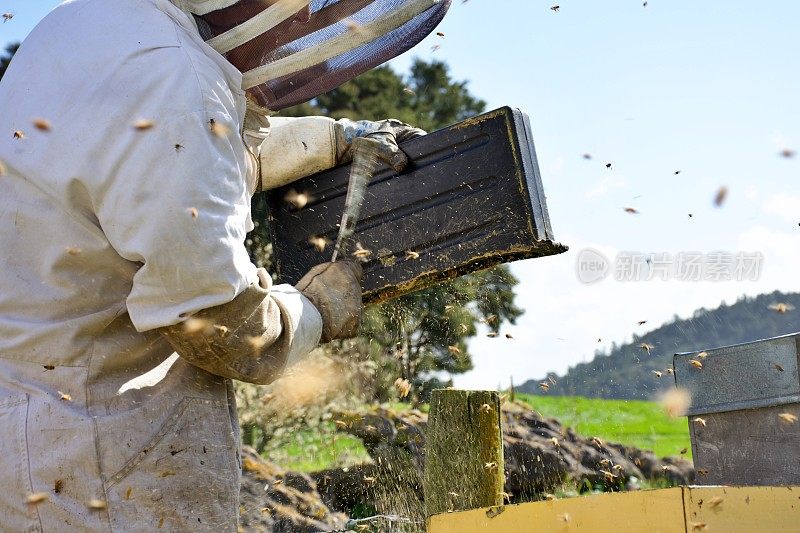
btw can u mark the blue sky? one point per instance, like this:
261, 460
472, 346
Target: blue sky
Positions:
707, 88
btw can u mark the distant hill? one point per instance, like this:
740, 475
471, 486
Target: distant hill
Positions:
626, 372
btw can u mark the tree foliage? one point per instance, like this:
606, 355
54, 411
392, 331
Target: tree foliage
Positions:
419, 335
5, 59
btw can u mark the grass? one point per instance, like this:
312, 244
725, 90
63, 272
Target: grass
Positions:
633, 422
638, 423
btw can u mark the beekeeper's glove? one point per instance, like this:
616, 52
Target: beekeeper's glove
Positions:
335, 290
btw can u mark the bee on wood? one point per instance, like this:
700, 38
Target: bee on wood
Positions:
64, 397
490, 466
143, 124
700, 421
696, 364
788, 418
720, 197
41, 124
341, 424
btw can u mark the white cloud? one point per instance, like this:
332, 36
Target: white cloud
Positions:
785, 206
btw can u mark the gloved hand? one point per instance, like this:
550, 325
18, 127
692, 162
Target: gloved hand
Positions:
389, 133
335, 290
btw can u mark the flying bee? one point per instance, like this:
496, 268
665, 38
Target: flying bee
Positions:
7, 17
409, 90
608, 475
361, 253
720, 197
545, 386
410, 254
486, 408
778, 367
509, 336
193, 212
41, 124
788, 418
64, 396
702, 355
403, 387
143, 124
642, 322
491, 334
554, 440
19, 134
489, 320
97, 505
696, 364
297, 200
781, 308
700, 421
555, 8
646, 347
319, 242
448, 308
455, 350
683, 451
564, 517
256, 342
73, 250
715, 502
435, 47
193, 326
670, 371
36, 498
440, 34
631, 210
698, 526
657, 374
218, 129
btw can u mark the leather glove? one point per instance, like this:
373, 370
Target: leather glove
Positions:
335, 290
389, 133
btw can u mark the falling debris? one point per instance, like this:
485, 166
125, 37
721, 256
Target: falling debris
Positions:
631, 210
403, 387
65, 397
41, 124
143, 124
700, 421
720, 197
319, 242
788, 418
36, 498
781, 307
220, 130
675, 402
297, 200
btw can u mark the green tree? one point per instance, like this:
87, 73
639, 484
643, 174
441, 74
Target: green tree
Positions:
5, 59
416, 336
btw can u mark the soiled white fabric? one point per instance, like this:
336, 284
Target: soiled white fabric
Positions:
127, 214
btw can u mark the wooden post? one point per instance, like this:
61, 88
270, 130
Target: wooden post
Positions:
464, 466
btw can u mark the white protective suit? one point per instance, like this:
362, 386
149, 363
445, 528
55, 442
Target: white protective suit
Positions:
110, 231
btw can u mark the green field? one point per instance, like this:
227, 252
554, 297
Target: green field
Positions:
638, 423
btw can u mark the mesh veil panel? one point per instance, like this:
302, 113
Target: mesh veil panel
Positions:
321, 22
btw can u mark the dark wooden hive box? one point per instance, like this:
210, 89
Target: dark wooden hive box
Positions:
740, 392
471, 198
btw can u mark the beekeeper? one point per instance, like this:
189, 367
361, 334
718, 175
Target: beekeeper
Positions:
132, 136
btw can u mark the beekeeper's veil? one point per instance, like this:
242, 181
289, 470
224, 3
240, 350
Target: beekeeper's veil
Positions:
295, 50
